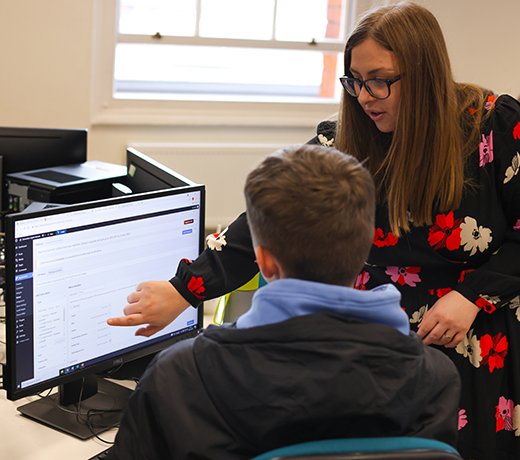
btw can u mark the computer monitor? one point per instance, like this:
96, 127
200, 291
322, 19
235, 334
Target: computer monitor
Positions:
145, 174
71, 268
23, 149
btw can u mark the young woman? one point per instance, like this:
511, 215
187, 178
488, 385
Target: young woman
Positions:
445, 158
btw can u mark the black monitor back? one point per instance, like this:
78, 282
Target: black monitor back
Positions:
23, 149
144, 174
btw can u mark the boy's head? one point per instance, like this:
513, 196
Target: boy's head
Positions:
311, 209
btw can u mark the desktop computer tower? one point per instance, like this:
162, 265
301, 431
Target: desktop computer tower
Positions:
68, 184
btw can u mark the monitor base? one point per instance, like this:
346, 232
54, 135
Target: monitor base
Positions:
106, 408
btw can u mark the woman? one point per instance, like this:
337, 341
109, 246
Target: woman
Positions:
445, 159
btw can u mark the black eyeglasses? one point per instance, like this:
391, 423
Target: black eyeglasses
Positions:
380, 89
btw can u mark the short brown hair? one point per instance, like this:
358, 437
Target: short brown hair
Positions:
313, 208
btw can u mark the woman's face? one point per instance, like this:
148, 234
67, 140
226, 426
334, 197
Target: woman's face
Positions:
371, 60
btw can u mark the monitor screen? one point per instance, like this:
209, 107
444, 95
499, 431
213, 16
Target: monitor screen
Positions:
71, 268
23, 149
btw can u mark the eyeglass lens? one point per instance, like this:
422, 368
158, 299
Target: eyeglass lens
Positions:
377, 88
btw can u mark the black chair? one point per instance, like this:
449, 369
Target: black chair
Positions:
391, 448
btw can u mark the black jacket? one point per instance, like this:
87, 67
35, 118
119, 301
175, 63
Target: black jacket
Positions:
235, 393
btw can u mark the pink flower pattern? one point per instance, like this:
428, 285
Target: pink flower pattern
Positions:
504, 414
486, 149
490, 102
463, 419
404, 275
362, 280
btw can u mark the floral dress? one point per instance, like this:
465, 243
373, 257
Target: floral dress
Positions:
474, 250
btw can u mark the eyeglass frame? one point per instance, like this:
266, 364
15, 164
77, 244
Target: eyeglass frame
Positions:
362, 84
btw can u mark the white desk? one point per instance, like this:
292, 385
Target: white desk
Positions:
24, 439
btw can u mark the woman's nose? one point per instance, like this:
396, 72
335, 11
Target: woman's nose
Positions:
364, 96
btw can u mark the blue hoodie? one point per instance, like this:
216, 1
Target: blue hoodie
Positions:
285, 298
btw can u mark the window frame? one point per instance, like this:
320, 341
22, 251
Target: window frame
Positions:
106, 109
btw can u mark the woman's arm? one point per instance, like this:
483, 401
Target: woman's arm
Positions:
228, 263
495, 283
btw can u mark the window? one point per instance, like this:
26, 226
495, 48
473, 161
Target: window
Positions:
222, 51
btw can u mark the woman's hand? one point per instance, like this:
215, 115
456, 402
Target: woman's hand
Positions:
154, 303
448, 321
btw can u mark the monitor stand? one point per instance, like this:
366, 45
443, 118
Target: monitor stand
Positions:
60, 410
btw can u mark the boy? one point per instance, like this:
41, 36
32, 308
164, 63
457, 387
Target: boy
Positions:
313, 358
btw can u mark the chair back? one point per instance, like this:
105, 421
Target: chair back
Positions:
390, 448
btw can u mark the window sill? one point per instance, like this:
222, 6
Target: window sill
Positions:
276, 112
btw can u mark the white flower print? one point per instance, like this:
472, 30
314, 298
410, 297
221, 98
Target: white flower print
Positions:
513, 169
494, 299
324, 141
470, 348
515, 303
473, 236
217, 243
516, 420
418, 315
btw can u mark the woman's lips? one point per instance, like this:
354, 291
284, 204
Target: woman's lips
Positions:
375, 116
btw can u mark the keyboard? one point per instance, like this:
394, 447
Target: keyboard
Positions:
101, 455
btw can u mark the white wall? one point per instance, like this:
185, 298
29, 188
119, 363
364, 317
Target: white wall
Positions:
45, 70
45, 63
482, 38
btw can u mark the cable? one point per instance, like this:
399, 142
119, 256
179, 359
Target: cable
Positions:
87, 418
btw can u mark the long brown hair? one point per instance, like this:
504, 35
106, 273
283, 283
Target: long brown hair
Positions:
422, 164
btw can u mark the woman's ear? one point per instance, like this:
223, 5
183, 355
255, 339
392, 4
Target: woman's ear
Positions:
268, 264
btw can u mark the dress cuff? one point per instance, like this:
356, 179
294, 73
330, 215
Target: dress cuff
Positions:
185, 292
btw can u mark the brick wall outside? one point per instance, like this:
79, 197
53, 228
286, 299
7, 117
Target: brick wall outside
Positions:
328, 79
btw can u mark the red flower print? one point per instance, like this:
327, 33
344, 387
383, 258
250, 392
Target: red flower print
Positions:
504, 414
188, 261
196, 286
440, 292
443, 292
362, 280
490, 102
463, 274
517, 225
485, 305
516, 131
380, 240
493, 351
445, 233
404, 275
472, 110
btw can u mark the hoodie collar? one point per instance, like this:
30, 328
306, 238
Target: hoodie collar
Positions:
287, 298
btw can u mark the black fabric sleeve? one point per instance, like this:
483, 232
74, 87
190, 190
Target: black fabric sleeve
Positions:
499, 277
218, 271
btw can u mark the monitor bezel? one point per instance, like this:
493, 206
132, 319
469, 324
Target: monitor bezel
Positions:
9, 370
